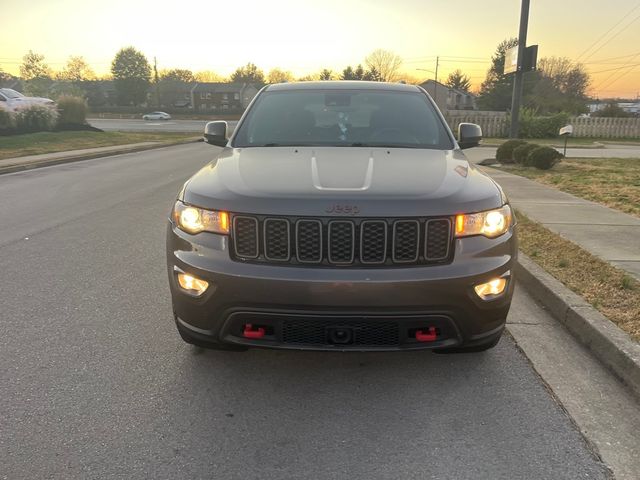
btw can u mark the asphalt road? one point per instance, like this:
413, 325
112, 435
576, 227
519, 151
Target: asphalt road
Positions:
95, 382
127, 125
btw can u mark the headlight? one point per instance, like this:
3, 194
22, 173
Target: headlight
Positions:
491, 223
195, 220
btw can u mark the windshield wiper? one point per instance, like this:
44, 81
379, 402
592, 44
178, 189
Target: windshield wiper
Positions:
381, 145
276, 145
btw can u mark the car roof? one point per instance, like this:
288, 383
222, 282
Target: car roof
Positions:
343, 85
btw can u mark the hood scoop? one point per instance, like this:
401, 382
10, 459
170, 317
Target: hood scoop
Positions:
351, 171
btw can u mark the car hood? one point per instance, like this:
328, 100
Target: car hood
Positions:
342, 181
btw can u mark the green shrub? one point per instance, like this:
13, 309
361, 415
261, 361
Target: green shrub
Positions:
504, 154
7, 121
35, 118
72, 110
543, 158
533, 126
521, 153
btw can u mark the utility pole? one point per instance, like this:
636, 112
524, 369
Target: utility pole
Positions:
518, 83
156, 81
435, 90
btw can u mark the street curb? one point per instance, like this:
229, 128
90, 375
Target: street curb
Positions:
613, 347
19, 167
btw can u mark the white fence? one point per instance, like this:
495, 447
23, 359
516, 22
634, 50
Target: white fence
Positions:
606, 127
594, 127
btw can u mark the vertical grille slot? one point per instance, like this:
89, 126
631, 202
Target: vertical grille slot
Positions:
341, 242
406, 241
437, 239
309, 241
277, 244
373, 241
245, 236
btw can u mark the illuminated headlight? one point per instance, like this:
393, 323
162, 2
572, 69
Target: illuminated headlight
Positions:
491, 289
192, 285
491, 223
195, 220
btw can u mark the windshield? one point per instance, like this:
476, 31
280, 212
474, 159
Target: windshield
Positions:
359, 118
10, 93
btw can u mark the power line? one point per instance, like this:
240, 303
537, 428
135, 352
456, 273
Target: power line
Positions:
604, 61
611, 38
625, 16
622, 74
626, 65
615, 80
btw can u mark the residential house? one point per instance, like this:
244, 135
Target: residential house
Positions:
448, 98
175, 93
222, 97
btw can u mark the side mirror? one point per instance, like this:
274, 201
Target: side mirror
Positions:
469, 135
215, 133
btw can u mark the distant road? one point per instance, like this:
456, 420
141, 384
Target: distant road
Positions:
128, 125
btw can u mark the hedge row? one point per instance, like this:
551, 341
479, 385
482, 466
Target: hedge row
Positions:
528, 154
70, 112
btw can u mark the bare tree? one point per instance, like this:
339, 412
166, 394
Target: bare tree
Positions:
385, 63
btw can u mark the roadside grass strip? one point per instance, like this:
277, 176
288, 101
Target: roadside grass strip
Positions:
614, 182
608, 289
51, 142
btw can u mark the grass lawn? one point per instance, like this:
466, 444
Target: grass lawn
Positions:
612, 291
614, 182
50, 142
573, 142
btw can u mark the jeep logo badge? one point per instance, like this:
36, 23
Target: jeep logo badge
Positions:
343, 209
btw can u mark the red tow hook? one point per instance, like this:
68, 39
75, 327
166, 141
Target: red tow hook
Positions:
429, 336
249, 332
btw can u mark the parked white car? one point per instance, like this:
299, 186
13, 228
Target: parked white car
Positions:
12, 100
156, 116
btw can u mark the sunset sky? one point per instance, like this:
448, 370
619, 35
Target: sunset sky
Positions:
304, 36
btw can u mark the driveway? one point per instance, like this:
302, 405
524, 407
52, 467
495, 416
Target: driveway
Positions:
96, 382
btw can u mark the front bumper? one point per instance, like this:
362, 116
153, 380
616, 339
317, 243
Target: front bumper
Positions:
275, 297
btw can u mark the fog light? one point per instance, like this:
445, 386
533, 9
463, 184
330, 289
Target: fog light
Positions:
491, 289
192, 285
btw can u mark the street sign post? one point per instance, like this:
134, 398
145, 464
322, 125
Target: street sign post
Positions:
511, 60
519, 74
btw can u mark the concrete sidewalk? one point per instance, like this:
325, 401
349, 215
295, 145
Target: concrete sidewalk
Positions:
611, 235
27, 162
476, 155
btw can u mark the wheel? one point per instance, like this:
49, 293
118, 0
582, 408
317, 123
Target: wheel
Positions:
482, 347
209, 344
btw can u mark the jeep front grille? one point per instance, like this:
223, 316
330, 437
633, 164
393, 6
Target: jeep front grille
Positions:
342, 242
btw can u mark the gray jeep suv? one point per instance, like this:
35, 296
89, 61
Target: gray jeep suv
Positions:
341, 216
